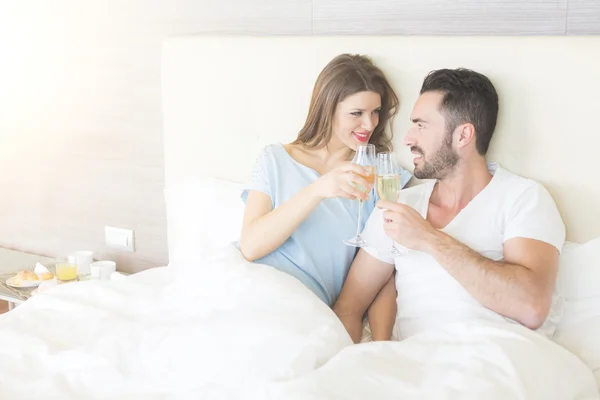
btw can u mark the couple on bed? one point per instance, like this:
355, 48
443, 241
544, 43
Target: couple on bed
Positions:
481, 242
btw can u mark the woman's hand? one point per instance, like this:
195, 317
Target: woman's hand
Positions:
344, 181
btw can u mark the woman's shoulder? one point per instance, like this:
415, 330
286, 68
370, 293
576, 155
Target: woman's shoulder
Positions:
280, 152
293, 150
272, 157
267, 154
300, 155
282, 157
274, 150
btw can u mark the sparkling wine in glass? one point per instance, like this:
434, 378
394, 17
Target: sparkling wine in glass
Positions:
365, 157
388, 185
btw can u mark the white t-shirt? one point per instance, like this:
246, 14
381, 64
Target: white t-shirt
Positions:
508, 207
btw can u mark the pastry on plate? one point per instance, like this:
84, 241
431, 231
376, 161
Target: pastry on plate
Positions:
24, 276
42, 272
45, 276
28, 275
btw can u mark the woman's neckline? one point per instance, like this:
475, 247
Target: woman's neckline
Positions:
283, 148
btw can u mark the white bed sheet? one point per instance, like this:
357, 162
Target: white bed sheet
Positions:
236, 330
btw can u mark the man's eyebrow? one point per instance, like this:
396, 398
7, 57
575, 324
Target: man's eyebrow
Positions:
417, 120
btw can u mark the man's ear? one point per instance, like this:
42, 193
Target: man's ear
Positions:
465, 135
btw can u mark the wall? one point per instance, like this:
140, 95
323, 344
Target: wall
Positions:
80, 118
542, 132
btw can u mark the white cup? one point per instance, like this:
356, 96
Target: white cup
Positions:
102, 269
84, 259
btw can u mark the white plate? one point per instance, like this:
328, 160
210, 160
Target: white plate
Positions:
24, 284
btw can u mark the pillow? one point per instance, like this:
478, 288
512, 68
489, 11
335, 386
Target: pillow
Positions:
203, 215
582, 340
579, 270
579, 282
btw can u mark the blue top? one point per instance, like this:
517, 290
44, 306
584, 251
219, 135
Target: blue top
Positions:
315, 252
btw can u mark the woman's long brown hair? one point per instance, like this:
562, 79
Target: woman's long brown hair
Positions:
344, 76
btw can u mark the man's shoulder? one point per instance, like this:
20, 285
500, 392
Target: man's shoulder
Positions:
521, 192
530, 211
517, 185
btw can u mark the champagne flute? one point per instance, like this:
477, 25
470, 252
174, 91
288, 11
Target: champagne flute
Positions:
388, 185
365, 157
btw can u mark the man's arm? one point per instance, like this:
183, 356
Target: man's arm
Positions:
366, 278
520, 287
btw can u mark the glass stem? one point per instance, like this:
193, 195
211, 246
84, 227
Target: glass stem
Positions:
358, 222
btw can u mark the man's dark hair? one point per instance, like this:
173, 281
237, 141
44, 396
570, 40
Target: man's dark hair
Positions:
469, 97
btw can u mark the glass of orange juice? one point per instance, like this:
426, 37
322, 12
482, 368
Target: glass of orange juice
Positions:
66, 269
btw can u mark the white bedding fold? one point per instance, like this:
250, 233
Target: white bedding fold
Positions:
471, 360
226, 328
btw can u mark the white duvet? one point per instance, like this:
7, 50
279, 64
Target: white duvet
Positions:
222, 328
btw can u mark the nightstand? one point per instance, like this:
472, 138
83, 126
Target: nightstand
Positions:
11, 262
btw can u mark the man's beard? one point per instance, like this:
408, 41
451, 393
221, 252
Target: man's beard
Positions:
442, 162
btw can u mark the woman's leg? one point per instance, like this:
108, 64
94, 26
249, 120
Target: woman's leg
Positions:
382, 312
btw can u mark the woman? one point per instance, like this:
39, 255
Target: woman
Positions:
301, 203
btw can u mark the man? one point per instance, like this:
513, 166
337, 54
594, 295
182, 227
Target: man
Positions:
479, 241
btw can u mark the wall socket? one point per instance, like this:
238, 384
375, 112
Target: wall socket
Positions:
119, 238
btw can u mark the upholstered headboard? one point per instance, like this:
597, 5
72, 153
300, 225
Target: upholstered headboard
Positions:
224, 97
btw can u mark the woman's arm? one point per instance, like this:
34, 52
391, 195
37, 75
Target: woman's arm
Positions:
265, 229
382, 312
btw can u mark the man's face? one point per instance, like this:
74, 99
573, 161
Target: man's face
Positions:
429, 140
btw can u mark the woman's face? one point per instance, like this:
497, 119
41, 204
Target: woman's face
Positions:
355, 118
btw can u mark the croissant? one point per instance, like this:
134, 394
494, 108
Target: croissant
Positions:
45, 276
24, 276
27, 276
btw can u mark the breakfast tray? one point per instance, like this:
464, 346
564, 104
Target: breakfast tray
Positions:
22, 293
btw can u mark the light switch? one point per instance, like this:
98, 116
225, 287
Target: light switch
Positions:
119, 238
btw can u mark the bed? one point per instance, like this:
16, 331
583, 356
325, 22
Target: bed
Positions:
211, 325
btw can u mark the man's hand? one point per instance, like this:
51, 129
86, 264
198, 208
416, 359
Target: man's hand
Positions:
407, 227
